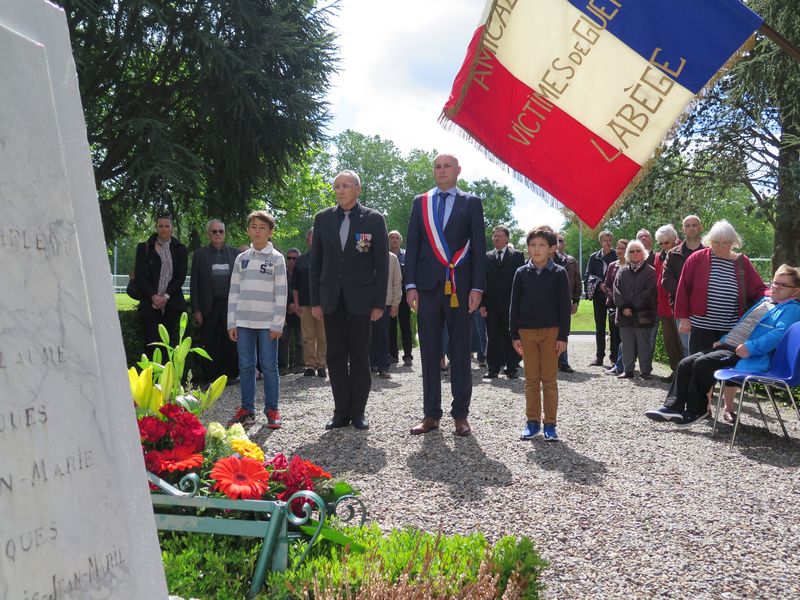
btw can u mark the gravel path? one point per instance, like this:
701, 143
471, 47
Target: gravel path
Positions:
621, 507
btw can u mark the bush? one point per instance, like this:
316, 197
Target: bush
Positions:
410, 563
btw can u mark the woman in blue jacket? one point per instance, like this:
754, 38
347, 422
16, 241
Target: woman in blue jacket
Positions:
746, 347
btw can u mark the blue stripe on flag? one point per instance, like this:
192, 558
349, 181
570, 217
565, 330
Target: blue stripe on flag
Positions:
705, 33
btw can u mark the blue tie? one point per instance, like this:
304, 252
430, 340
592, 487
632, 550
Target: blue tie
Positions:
440, 207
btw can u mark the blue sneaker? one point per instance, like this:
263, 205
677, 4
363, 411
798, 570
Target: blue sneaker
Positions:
531, 430
550, 434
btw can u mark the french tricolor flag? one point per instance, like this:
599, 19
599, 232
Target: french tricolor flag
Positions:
575, 97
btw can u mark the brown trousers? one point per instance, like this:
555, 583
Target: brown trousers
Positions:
314, 344
672, 341
541, 373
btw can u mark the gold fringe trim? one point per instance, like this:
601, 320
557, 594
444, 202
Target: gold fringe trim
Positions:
445, 120
456, 108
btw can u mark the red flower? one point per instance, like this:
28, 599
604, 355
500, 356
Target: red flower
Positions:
181, 458
187, 430
243, 478
153, 462
171, 411
315, 471
279, 461
151, 429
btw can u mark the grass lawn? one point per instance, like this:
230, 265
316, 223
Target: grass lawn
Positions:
583, 320
125, 302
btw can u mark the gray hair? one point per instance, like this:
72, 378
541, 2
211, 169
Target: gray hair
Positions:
397, 232
295, 250
633, 244
666, 232
722, 231
211, 222
349, 173
603, 234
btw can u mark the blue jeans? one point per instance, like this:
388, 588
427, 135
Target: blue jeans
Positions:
685, 343
479, 335
268, 357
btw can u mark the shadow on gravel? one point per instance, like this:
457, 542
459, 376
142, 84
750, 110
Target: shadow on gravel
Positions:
345, 449
754, 442
577, 377
465, 469
575, 467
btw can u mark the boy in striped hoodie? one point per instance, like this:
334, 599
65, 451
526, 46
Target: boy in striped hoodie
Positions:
256, 315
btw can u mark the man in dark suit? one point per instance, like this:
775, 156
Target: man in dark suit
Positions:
501, 265
349, 275
212, 266
445, 277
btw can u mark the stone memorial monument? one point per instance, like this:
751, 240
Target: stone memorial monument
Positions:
75, 514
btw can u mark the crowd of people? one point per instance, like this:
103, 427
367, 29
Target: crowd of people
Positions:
334, 311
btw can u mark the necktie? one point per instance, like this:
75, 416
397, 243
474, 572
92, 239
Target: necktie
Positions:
500, 257
344, 228
440, 207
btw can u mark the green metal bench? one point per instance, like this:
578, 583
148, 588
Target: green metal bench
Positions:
178, 509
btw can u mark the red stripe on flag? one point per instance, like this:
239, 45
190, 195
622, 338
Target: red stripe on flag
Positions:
537, 139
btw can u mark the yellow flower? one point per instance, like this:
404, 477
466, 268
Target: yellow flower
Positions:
248, 449
216, 431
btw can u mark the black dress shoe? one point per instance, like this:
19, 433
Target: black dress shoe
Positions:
597, 362
321, 372
566, 369
337, 422
490, 375
511, 374
360, 423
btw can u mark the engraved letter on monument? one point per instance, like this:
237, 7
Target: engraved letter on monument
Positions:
66, 515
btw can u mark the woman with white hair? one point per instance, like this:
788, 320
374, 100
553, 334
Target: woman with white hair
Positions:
667, 239
635, 299
716, 288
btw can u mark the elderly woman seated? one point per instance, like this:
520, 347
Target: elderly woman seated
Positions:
748, 346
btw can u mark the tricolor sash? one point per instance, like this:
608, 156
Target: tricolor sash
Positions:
435, 230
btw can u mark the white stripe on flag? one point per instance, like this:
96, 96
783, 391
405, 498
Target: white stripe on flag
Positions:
614, 92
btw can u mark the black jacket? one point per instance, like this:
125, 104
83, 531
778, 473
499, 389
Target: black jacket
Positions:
148, 270
360, 272
499, 277
636, 290
202, 285
596, 268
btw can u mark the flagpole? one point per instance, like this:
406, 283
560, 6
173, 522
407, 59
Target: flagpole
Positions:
784, 44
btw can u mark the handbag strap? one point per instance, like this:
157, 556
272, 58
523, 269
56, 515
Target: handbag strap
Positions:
742, 291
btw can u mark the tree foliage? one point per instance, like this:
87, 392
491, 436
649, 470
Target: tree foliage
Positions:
746, 133
390, 180
198, 99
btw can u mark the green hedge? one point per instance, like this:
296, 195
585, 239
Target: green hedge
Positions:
210, 566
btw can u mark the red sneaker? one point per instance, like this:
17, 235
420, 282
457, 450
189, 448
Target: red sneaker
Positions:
274, 419
243, 416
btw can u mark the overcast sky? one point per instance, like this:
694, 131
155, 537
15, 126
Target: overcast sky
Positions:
398, 62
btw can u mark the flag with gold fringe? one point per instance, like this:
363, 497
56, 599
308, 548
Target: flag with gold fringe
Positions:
576, 97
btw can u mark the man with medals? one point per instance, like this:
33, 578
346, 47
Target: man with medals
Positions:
349, 271
445, 278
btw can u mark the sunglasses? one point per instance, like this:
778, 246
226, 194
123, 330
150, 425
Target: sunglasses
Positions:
217, 231
291, 258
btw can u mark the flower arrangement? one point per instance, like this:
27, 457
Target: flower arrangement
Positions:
219, 462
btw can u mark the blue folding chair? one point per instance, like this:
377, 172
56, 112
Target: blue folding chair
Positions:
783, 373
